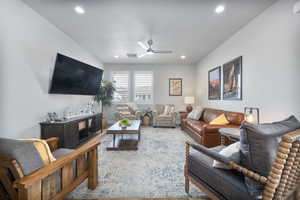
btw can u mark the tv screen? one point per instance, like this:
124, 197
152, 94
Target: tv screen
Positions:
71, 76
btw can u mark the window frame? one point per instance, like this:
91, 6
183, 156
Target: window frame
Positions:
128, 85
134, 86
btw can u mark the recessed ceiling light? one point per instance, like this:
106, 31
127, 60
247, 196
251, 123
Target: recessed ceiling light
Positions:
219, 9
182, 57
79, 10
116, 56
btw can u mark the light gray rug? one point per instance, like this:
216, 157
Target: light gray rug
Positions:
155, 170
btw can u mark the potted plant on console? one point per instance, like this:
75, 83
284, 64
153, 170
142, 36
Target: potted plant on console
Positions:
105, 96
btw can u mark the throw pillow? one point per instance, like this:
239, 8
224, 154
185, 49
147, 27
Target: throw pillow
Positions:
43, 149
259, 143
172, 109
133, 106
195, 114
221, 120
232, 152
166, 110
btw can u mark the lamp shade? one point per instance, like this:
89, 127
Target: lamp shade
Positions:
189, 100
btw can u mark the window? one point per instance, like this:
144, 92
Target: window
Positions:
143, 87
121, 81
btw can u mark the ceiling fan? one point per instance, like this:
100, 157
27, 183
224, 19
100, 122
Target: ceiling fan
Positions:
149, 50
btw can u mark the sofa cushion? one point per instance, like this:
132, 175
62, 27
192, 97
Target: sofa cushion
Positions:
24, 152
195, 125
210, 114
259, 145
230, 184
234, 117
61, 152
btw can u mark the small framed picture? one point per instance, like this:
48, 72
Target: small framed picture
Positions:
232, 79
214, 84
175, 87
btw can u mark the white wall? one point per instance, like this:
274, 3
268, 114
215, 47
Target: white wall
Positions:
270, 46
162, 73
29, 45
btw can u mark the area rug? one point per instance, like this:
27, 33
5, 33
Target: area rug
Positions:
155, 170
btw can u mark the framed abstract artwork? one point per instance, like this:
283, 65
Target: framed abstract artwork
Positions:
175, 87
214, 84
232, 79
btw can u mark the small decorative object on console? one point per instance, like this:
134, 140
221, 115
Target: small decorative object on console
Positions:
52, 117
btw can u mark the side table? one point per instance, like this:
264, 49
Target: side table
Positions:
233, 135
183, 115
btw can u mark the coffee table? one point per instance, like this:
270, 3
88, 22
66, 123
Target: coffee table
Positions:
125, 139
233, 134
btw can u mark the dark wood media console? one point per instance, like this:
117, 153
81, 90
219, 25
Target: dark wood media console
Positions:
72, 132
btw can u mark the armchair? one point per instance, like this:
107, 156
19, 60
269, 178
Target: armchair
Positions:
281, 183
128, 111
22, 179
162, 118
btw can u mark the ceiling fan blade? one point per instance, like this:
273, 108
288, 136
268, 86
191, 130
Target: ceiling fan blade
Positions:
162, 51
142, 55
143, 45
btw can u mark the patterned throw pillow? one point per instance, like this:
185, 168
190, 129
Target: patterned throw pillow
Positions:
166, 110
195, 114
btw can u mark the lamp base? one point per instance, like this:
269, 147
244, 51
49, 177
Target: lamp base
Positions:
189, 108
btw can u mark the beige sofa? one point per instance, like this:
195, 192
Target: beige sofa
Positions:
163, 118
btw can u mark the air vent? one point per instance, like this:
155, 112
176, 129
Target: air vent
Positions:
132, 55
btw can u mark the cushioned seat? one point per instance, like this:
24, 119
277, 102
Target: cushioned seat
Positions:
61, 152
17, 149
228, 183
197, 126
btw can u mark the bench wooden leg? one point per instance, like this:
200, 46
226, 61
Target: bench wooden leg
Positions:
187, 185
93, 169
33, 192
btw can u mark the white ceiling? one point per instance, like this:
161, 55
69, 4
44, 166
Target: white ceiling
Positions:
113, 27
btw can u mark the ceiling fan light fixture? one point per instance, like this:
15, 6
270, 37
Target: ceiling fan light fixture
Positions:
79, 10
150, 53
219, 9
116, 56
182, 57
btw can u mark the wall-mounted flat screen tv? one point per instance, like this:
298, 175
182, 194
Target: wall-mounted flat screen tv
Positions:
71, 76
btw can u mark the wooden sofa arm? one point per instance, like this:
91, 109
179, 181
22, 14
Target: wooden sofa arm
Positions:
66, 161
53, 143
226, 161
